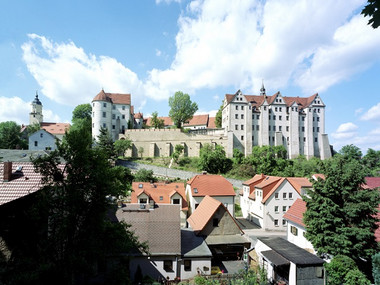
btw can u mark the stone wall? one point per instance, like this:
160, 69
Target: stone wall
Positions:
162, 142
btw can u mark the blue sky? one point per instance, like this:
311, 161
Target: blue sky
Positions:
69, 50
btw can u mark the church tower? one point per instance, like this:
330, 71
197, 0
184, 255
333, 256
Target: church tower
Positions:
35, 116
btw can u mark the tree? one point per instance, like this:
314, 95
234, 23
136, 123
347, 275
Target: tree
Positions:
356, 277
218, 117
178, 149
213, 159
33, 128
372, 161
341, 216
144, 175
121, 146
10, 136
157, 123
181, 108
82, 116
105, 142
141, 151
337, 269
372, 9
74, 208
351, 152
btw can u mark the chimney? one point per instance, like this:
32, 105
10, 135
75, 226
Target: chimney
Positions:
7, 171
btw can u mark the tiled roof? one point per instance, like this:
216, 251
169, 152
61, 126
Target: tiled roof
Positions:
160, 227
197, 120
138, 115
318, 175
167, 121
296, 211
203, 213
372, 182
252, 182
157, 190
115, 98
299, 182
269, 185
211, 123
212, 185
22, 183
55, 128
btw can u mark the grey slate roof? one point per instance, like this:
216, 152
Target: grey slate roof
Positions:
275, 258
291, 252
192, 245
20, 155
227, 239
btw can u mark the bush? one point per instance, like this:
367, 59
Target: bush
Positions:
356, 277
338, 268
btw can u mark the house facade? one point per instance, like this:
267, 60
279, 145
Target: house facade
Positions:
265, 199
42, 140
215, 186
294, 122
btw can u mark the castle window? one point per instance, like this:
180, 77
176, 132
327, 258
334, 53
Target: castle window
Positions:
113, 127
257, 127
253, 127
280, 118
113, 116
313, 129
317, 119
236, 116
242, 107
104, 114
257, 116
317, 129
104, 105
236, 107
280, 128
276, 209
274, 117
287, 118
287, 128
242, 116
315, 139
268, 128
304, 139
303, 119
242, 127
269, 117
272, 139
123, 116
274, 128
303, 129
242, 138
236, 127
104, 125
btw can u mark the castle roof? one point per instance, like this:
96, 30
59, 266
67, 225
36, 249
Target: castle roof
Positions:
114, 98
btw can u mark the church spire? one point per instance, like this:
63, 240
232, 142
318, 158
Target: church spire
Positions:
262, 90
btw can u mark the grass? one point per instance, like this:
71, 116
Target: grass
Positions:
238, 212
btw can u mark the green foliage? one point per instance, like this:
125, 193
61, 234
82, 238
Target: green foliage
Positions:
376, 268
177, 152
105, 143
10, 136
238, 156
356, 277
372, 162
71, 217
121, 146
337, 269
218, 117
270, 160
141, 151
157, 123
302, 167
341, 216
82, 117
33, 128
372, 9
351, 152
214, 160
181, 108
144, 175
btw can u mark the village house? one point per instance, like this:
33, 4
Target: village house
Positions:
215, 186
148, 194
265, 199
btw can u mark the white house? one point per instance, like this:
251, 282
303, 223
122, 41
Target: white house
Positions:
215, 186
296, 228
265, 199
297, 123
42, 140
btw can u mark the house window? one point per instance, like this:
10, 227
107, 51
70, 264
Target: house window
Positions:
276, 195
294, 230
123, 116
113, 107
284, 208
290, 195
104, 114
176, 201
168, 265
104, 104
41, 135
276, 209
284, 195
35, 143
161, 198
215, 222
187, 265
113, 116
143, 200
283, 222
280, 108
265, 108
276, 223
104, 125
275, 107
123, 107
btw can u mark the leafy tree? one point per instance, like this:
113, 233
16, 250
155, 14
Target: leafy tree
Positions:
214, 160
238, 156
218, 117
74, 209
82, 116
141, 151
105, 143
157, 123
351, 152
356, 277
177, 152
302, 167
372, 9
121, 146
144, 175
341, 216
271, 160
181, 108
337, 269
10, 136
376, 268
33, 128
372, 161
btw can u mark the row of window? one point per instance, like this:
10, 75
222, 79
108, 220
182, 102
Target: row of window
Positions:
113, 106
276, 222
168, 265
285, 195
113, 115
283, 139
284, 209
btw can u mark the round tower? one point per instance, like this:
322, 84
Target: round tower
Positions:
35, 116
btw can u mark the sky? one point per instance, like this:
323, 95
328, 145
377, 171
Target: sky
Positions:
68, 51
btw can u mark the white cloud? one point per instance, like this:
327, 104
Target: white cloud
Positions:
372, 114
347, 127
345, 131
158, 52
167, 1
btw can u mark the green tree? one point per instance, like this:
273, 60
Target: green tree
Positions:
10, 136
121, 146
71, 217
376, 268
33, 128
270, 160
141, 151
218, 117
178, 150
144, 175
372, 9
157, 123
356, 277
372, 161
341, 216
105, 142
213, 159
338, 268
181, 108
82, 116
351, 152
238, 156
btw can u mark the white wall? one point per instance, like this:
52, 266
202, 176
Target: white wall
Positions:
201, 264
154, 267
299, 240
44, 141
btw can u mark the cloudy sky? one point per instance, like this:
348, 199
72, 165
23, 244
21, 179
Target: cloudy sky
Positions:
69, 50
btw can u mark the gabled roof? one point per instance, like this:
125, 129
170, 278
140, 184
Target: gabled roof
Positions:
204, 213
299, 182
296, 211
211, 123
167, 121
160, 227
193, 245
138, 116
22, 183
212, 185
157, 190
269, 185
55, 128
115, 98
197, 120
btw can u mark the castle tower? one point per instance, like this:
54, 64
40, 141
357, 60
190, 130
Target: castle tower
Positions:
35, 116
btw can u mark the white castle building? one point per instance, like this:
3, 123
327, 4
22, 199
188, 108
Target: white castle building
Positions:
298, 123
114, 112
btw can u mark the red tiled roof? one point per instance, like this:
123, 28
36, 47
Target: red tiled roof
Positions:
138, 115
269, 186
372, 182
296, 211
115, 98
211, 123
212, 185
55, 128
157, 190
23, 182
197, 120
203, 213
167, 121
299, 182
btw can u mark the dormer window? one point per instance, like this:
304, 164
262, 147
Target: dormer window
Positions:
161, 198
195, 190
176, 201
140, 185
